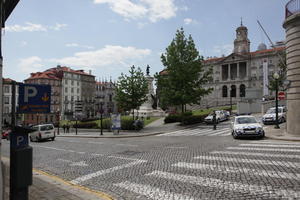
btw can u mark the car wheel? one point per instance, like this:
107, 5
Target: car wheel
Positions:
30, 138
52, 138
37, 139
234, 135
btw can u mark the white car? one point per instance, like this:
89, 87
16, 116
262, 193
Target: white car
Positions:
220, 116
270, 116
42, 132
246, 126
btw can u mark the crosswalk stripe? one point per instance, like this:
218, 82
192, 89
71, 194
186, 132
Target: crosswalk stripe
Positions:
274, 142
264, 149
225, 169
221, 132
152, 192
252, 161
105, 171
228, 185
198, 132
256, 154
272, 145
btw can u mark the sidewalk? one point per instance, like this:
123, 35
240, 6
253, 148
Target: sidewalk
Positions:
155, 128
280, 134
48, 187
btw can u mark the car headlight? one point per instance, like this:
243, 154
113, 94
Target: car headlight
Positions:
259, 129
239, 130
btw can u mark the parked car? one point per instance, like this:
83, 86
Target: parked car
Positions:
227, 114
220, 116
246, 126
270, 116
5, 134
42, 132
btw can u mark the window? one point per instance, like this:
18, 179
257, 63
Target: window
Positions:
6, 110
233, 91
72, 90
242, 90
66, 98
72, 82
110, 98
224, 91
6, 89
6, 100
66, 81
66, 89
77, 90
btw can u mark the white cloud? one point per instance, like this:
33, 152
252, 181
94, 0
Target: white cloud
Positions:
78, 45
109, 55
189, 21
225, 49
154, 10
31, 27
30, 64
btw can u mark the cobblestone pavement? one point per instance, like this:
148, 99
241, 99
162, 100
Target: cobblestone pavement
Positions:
175, 167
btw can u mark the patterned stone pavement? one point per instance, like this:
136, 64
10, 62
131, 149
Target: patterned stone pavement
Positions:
182, 167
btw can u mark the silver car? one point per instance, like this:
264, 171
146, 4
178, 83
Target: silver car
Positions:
270, 116
246, 126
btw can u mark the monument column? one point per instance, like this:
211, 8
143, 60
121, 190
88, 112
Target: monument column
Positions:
292, 27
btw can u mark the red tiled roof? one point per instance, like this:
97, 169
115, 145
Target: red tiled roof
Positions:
251, 53
8, 80
267, 51
43, 75
68, 69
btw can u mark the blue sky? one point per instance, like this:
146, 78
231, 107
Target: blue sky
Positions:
109, 36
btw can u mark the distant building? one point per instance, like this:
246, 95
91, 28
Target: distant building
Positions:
240, 75
106, 91
7, 101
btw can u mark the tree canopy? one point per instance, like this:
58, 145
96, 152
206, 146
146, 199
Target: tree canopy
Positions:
184, 75
282, 75
131, 90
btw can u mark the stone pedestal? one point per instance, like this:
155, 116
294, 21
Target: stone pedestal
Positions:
292, 26
146, 109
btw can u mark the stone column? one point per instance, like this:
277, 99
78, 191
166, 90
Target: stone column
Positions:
229, 72
238, 71
292, 26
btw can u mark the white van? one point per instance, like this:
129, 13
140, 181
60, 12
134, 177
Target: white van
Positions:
42, 132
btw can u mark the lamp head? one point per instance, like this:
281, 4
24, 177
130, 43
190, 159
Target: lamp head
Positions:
276, 75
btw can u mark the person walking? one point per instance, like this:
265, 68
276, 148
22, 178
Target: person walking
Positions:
64, 127
68, 128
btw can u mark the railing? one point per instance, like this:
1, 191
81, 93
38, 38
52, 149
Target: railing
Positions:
292, 7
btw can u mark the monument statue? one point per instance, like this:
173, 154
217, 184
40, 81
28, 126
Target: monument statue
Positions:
148, 70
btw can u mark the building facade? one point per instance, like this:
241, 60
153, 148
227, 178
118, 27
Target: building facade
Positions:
105, 91
7, 101
239, 76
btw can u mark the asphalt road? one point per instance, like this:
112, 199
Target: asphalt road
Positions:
177, 165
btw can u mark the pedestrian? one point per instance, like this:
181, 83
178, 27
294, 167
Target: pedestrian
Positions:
215, 120
68, 128
64, 127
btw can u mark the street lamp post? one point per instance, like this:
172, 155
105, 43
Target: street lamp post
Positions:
57, 119
101, 113
230, 101
276, 77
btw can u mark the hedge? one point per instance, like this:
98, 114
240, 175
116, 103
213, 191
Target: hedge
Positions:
193, 119
85, 125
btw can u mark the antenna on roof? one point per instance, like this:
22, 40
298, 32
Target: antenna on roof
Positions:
273, 46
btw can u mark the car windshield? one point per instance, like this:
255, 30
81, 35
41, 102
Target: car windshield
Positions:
273, 110
46, 127
246, 120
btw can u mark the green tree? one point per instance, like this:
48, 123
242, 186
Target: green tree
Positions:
282, 75
131, 90
182, 80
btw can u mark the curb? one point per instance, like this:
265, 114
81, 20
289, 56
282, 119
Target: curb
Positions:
125, 136
39, 174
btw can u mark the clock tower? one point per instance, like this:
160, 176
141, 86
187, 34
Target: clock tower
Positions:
241, 43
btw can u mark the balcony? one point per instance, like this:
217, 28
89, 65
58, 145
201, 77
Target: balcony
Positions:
292, 7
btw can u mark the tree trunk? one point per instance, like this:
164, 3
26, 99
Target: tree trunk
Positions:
182, 108
133, 114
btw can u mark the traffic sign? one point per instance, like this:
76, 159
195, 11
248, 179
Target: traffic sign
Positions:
19, 140
281, 95
34, 98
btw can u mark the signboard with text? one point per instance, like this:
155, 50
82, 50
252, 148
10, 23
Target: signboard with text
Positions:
34, 98
116, 121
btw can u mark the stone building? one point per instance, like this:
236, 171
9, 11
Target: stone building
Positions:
7, 101
240, 75
105, 90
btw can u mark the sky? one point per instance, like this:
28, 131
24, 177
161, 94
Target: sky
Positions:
109, 36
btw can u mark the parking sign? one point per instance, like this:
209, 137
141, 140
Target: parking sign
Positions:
34, 98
